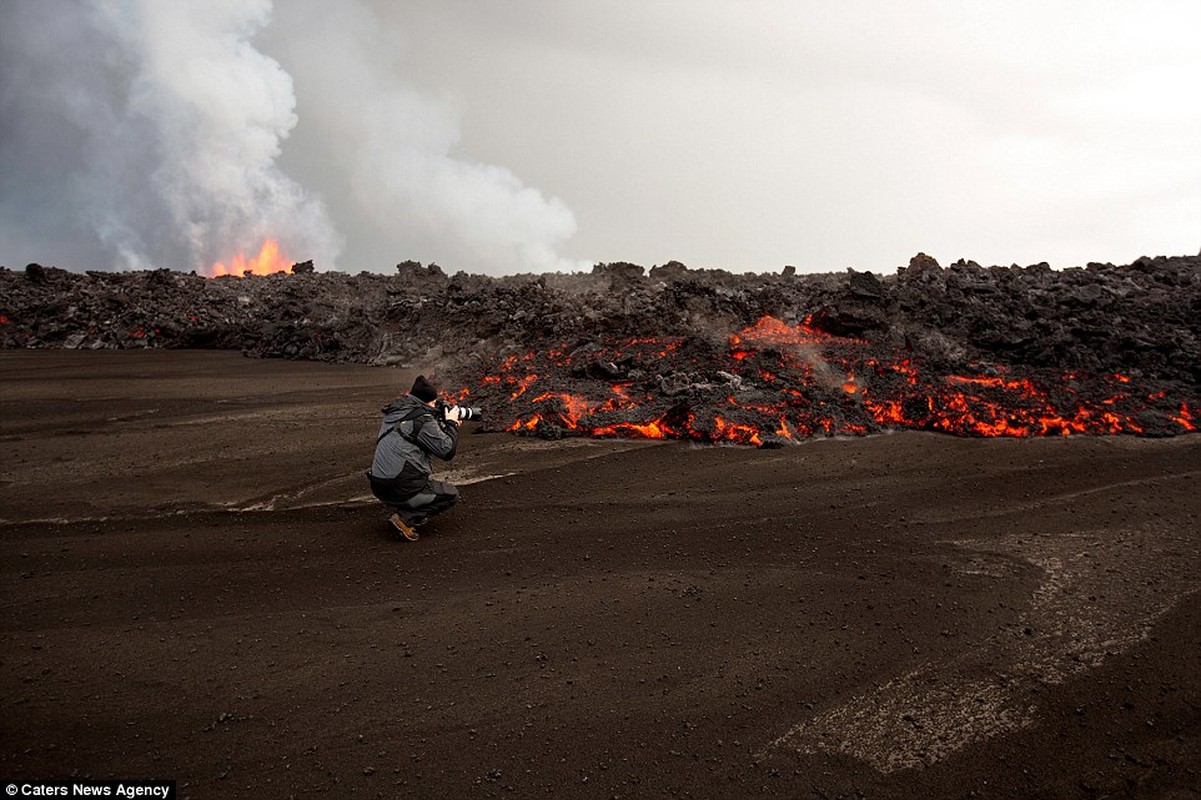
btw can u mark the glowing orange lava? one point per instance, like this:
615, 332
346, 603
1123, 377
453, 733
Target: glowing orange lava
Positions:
777, 382
268, 260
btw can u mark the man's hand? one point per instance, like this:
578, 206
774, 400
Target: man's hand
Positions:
451, 415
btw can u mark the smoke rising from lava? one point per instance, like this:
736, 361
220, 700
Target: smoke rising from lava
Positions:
387, 151
137, 134
173, 121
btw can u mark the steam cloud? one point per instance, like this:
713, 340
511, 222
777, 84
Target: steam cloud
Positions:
174, 124
138, 134
393, 146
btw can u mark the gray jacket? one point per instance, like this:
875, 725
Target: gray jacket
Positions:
406, 447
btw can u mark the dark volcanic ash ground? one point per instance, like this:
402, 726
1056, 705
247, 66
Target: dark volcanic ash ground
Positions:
196, 586
696, 354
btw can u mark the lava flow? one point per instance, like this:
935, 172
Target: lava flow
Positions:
268, 261
773, 382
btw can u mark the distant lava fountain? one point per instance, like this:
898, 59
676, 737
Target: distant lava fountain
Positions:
773, 382
268, 260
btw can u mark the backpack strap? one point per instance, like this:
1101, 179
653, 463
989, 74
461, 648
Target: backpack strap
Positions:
415, 414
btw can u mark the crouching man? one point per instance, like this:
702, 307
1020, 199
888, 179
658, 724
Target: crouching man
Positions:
413, 430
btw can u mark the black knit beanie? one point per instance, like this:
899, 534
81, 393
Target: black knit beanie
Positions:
423, 390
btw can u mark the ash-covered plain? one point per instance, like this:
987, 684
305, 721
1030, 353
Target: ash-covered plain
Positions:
197, 584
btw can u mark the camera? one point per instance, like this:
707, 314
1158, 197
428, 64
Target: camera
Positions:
461, 413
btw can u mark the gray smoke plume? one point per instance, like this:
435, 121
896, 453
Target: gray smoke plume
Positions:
385, 151
140, 134
148, 133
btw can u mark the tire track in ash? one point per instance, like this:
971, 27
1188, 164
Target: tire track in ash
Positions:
1100, 593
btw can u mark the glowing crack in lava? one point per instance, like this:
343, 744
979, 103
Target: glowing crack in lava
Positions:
268, 261
773, 382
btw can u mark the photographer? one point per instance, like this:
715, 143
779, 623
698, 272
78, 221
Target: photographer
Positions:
415, 427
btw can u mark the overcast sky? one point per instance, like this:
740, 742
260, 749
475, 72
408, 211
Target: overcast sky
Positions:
538, 134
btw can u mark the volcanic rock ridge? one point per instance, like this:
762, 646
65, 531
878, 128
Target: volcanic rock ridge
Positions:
687, 353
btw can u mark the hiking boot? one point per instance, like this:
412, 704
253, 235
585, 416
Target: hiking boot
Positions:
403, 528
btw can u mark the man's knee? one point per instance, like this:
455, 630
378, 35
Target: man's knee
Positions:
447, 492
420, 501
438, 496
447, 499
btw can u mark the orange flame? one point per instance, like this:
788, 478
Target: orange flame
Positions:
268, 260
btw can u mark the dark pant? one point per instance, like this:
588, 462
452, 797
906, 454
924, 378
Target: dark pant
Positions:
433, 498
